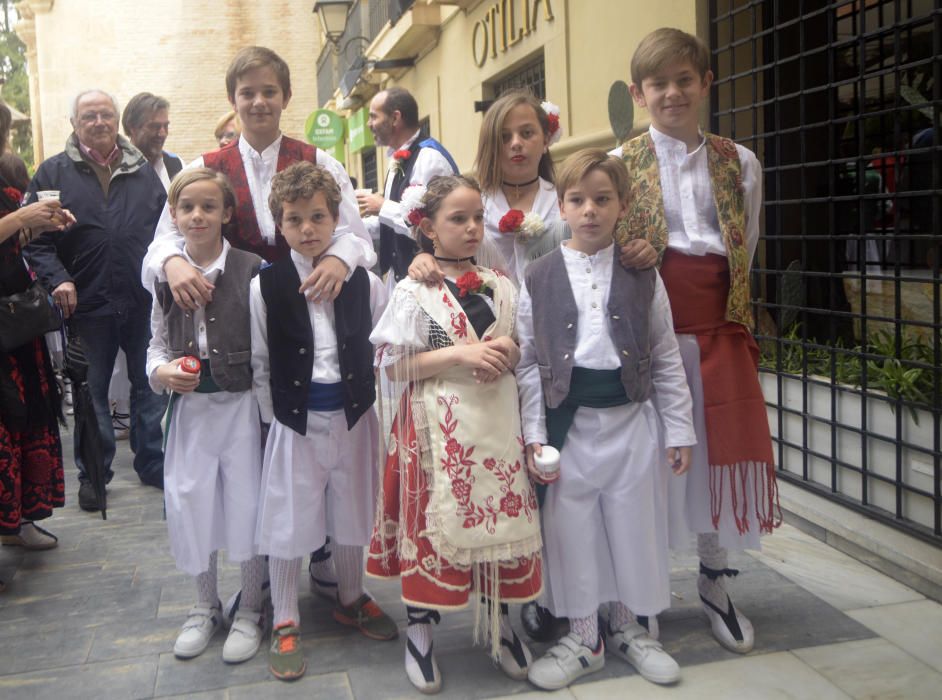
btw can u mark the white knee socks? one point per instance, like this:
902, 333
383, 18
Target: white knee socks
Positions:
348, 561
206, 588
253, 576
284, 589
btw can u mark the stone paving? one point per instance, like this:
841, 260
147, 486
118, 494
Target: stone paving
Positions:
96, 618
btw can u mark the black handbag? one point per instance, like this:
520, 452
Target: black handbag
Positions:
25, 316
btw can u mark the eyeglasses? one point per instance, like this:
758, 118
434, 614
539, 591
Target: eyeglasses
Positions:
92, 117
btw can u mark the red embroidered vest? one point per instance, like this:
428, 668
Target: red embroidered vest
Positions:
243, 232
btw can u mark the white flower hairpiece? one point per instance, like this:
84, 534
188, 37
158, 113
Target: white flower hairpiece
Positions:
413, 206
552, 114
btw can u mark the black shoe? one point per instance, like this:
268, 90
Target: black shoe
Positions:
88, 499
539, 623
156, 480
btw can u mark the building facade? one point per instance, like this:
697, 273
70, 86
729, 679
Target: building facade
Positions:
840, 100
175, 48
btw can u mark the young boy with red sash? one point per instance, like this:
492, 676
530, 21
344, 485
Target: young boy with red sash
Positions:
696, 198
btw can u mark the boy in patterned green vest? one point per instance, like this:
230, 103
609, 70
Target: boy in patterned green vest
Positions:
696, 198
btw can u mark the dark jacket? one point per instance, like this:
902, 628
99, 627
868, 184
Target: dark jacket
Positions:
103, 252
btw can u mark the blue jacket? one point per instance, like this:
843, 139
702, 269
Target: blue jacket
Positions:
103, 252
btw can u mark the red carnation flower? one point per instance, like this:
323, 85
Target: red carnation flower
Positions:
13, 194
553, 121
469, 283
510, 222
402, 154
415, 216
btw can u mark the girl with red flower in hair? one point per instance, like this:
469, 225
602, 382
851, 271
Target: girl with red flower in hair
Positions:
31, 477
458, 519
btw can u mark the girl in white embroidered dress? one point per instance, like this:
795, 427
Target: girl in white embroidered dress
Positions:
458, 516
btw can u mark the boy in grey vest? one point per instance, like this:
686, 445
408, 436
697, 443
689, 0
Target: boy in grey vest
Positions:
212, 456
600, 377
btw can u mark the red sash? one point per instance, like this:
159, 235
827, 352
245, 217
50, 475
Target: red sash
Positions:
243, 232
738, 437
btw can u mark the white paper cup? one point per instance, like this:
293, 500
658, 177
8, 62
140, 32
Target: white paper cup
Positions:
547, 461
363, 192
47, 194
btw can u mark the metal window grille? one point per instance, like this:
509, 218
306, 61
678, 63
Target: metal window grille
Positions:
368, 164
531, 77
841, 102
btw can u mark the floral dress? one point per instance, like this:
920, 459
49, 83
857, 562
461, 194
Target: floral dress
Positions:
457, 517
31, 476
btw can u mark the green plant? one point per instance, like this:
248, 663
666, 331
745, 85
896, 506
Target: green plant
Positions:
906, 375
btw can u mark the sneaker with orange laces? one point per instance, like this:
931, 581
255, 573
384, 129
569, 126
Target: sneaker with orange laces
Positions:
368, 617
285, 658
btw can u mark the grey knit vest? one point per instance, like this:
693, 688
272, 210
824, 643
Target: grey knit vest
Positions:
556, 319
228, 334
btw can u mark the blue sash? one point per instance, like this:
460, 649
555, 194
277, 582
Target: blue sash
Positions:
325, 397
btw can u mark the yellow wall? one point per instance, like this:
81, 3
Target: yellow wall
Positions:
586, 47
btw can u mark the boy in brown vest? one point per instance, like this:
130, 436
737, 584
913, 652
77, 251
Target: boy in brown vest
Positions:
696, 198
599, 376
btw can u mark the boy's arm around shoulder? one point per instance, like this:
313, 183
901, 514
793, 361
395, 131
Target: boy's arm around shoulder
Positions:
529, 386
671, 393
260, 358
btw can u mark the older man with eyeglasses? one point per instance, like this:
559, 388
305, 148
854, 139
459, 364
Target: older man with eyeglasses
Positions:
94, 269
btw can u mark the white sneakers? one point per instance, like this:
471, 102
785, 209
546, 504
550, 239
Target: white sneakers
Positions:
632, 643
569, 660
200, 626
245, 637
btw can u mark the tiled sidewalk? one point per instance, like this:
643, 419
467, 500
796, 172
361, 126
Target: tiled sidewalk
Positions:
96, 618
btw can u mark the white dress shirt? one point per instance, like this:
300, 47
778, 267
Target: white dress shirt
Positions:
259, 170
157, 352
689, 209
161, 169
429, 163
546, 204
591, 278
326, 365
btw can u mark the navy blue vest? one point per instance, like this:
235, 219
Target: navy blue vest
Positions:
395, 250
291, 344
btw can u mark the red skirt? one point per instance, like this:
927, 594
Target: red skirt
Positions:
429, 580
31, 476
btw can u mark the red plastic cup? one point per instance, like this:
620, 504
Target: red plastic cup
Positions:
190, 364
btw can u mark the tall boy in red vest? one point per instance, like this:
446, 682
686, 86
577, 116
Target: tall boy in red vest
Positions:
696, 198
258, 83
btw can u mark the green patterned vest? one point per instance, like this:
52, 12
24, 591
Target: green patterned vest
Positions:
646, 218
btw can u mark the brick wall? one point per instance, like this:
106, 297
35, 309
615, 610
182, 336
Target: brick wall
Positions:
175, 48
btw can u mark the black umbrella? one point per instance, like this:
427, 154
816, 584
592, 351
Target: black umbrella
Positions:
86, 422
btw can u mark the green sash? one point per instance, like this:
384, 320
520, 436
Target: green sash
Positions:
594, 388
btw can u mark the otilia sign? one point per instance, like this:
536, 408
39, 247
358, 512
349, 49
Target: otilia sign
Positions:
498, 29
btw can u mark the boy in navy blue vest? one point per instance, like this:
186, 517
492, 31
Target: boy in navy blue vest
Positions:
313, 376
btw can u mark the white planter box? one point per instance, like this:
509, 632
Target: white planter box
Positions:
815, 415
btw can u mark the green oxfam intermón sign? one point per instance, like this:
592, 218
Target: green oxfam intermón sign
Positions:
324, 128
